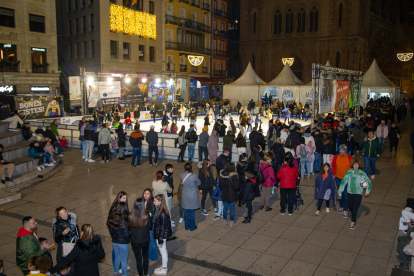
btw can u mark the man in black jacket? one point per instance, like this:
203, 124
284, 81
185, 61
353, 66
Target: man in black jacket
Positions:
152, 140
168, 177
279, 153
318, 150
222, 160
191, 137
228, 142
294, 138
222, 128
255, 139
3, 166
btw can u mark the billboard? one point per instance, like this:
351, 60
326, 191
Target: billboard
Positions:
103, 93
39, 106
354, 94
160, 92
134, 92
75, 94
342, 95
326, 96
287, 95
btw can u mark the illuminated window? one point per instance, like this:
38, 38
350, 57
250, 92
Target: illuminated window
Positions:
141, 52
126, 50
7, 17
8, 58
39, 60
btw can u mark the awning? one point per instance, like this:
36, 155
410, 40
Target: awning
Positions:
204, 80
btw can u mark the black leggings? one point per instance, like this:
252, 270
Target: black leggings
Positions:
392, 147
141, 257
249, 208
182, 151
41, 160
320, 204
287, 195
204, 196
105, 151
354, 200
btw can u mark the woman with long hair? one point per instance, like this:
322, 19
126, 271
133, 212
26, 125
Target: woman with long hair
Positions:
182, 143
254, 160
241, 168
118, 224
325, 188
87, 252
120, 197
207, 120
206, 176
140, 225
161, 187
174, 128
287, 174
148, 197
212, 147
241, 144
189, 199
229, 185
162, 231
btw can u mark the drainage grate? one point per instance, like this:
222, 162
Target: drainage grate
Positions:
209, 265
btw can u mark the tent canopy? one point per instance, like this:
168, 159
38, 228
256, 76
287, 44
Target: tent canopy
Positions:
374, 78
286, 78
249, 77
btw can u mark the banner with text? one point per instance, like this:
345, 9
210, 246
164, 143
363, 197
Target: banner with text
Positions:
342, 95
326, 96
39, 106
133, 92
354, 94
75, 94
103, 93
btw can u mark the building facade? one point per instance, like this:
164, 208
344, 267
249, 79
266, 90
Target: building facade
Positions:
350, 34
188, 47
28, 48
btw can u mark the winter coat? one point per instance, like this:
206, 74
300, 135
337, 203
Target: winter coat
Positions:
151, 138
229, 186
203, 139
294, 138
221, 162
287, 176
121, 236
49, 149
141, 235
382, 131
168, 178
284, 135
89, 132
279, 153
86, 254
127, 115
54, 129
161, 187
268, 174
254, 166
191, 136
190, 199
353, 179
212, 147
334, 163
206, 121
318, 143
104, 137
121, 138
392, 135
206, 182
308, 137
371, 147
222, 130
174, 129
249, 190
137, 114
27, 246
59, 225
322, 187
33, 153
135, 139
228, 142
26, 132
343, 137
255, 139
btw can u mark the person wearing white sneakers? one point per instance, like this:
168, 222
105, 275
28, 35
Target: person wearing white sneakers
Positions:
89, 134
150, 210
168, 177
82, 138
325, 188
104, 139
162, 231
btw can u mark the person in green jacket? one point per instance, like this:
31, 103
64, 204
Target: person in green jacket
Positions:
27, 244
353, 179
372, 150
54, 128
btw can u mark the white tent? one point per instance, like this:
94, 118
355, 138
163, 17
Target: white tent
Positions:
375, 83
244, 88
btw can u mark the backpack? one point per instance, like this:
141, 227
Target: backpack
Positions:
260, 179
303, 152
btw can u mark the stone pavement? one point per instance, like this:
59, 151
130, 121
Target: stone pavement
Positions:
302, 244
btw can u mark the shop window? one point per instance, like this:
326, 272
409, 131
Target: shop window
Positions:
125, 49
8, 58
37, 23
7, 17
114, 49
152, 54
39, 60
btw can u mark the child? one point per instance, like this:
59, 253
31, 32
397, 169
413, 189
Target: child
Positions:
114, 145
45, 244
33, 153
137, 124
49, 149
1, 267
128, 123
249, 194
63, 142
38, 265
249, 123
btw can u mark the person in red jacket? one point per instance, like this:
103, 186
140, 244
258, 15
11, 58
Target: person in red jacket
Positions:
63, 142
341, 163
287, 174
267, 186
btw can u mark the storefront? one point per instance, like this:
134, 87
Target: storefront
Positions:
200, 88
8, 58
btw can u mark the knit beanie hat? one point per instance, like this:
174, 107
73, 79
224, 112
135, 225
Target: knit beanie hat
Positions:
343, 147
205, 128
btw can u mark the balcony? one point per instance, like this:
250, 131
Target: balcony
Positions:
220, 13
187, 23
194, 69
39, 68
195, 3
205, 7
170, 66
220, 53
183, 68
186, 48
204, 70
185, 1
221, 33
6, 66
219, 73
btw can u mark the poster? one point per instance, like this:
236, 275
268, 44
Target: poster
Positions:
103, 93
159, 92
326, 96
39, 106
287, 95
75, 94
354, 94
274, 91
308, 97
133, 92
342, 95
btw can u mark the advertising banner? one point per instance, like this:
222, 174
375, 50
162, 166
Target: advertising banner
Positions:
75, 94
274, 91
39, 106
103, 93
326, 96
342, 95
354, 94
134, 92
287, 95
160, 92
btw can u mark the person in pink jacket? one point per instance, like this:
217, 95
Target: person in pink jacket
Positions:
266, 168
49, 148
382, 133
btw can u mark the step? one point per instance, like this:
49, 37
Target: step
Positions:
6, 197
16, 151
4, 127
10, 138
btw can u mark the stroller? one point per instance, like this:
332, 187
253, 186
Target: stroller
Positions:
297, 201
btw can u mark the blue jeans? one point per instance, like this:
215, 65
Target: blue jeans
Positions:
226, 207
152, 250
317, 163
344, 200
115, 152
136, 153
370, 162
191, 149
305, 165
189, 219
83, 147
58, 146
47, 156
382, 141
120, 252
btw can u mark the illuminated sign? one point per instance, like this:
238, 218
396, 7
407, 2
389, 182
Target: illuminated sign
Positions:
8, 89
7, 46
405, 56
40, 88
289, 61
195, 60
34, 49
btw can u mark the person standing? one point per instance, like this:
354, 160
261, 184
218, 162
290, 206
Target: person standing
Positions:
153, 112
152, 140
162, 187
249, 192
168, 178
82, 139
270, 180
228, 142
191, 138
255, 139
189, 199
182, 143
137, 112
121, 141
288, 174
135, 139
394, 135
212, 147
55, 141
216, 111
165, 119
104, 139
352, 184
325, 188
372, 150
202, 144
241, 144
206, 176
318, 150
89, 141
382, 133
27, 244
229, 186
304, 152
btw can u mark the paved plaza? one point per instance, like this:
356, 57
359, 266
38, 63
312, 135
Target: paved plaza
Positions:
272, 244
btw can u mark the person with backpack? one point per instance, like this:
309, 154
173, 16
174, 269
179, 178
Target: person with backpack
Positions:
249, 192
304, 152
266, 178
287, 174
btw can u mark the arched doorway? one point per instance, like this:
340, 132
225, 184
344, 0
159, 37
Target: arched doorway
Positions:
297, 67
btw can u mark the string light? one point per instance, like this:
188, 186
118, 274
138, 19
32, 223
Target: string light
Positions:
131, 22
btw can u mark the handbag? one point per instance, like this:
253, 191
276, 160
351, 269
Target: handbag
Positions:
67, 247
398, 136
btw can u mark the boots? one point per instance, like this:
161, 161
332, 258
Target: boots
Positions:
231, 224
403, 266
225, 222
247, 220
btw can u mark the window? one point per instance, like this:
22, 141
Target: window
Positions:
384, 9
39, 60
93, 48
37, 23
70, 51
301, 20
69, 5
340, 15
151, 7
85, 49
114, 50
152, 54
313, 20
7, 17
83, 3
91, 2
77, 50
289, 21
254, 22
84, 24
76, 26
338, 59
253, 61
69, 28
113, 1
277, 23
125, 50
141, 49
8, 58
92, 22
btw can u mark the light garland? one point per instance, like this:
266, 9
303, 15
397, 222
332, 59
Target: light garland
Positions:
132, 22
289, 61
405, 56
195, 60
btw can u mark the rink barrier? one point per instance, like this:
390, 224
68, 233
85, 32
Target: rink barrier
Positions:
166, 148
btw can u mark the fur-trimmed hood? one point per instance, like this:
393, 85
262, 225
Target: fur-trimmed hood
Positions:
73, 219
89, 246
225, 174
243, 164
